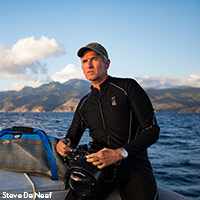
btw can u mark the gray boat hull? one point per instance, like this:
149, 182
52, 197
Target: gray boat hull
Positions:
163, 194
17, 186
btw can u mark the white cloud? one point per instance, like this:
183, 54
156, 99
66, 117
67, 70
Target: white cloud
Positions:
21, 80
17, 82
24, 57
192, 80
21, 64
18, 85
69, 72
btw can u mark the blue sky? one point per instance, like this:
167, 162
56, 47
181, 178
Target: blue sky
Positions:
156, 42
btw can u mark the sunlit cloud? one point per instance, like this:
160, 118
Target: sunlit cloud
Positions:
69, 72
18, 85
24, 56
161, 82
21, 80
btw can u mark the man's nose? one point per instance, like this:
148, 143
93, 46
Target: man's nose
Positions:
90, 65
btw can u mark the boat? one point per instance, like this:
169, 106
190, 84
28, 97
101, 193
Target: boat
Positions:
18, 185
15, 185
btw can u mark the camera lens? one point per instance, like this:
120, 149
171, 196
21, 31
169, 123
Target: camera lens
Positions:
82, 183
82, 177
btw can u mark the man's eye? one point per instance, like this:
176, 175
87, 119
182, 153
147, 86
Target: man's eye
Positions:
95, 58
84, 61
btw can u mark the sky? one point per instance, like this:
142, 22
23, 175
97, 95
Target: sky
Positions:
156, 42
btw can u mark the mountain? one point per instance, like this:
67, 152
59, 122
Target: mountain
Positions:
51, 97
176, 100
57, 97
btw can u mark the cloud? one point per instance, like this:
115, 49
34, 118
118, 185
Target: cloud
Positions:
17, 82
18, 85
69, 72
21, 80
161, 82
24, 57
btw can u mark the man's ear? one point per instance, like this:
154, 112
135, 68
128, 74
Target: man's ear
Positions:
107, 64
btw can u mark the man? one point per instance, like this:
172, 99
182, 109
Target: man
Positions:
120, 117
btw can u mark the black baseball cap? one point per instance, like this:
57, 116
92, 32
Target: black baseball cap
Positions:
98, 48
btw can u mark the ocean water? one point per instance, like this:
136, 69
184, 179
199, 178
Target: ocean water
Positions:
175, 157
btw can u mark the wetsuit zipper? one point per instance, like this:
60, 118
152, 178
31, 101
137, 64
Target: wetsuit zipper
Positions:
103, 120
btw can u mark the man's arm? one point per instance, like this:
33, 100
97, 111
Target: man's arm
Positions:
74, 134
144, 113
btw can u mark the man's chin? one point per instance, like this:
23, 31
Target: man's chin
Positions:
91, 78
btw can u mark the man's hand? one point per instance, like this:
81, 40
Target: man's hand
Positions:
63, 148
104, 157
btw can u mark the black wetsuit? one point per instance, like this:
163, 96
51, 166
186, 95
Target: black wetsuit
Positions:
119, 115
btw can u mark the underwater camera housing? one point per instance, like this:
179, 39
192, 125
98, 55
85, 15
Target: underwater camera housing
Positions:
82, 177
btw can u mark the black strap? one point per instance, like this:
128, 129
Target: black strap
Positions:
23, 129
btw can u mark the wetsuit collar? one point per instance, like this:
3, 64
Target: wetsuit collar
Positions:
103, 85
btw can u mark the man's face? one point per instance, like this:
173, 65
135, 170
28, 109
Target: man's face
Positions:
94, 67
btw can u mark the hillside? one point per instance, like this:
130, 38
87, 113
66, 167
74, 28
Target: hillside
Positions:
51, 97
181, 99
57, 97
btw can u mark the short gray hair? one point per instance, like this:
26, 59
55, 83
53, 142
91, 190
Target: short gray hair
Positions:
104, 58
